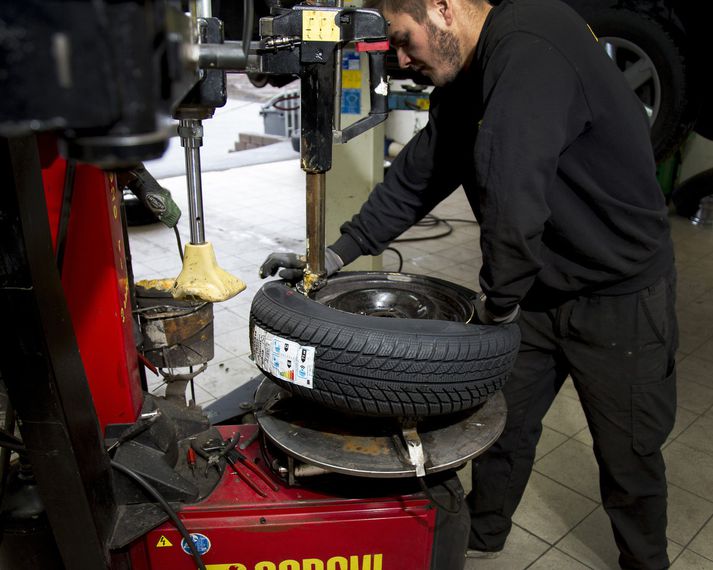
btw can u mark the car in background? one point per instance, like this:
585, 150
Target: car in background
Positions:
665, 50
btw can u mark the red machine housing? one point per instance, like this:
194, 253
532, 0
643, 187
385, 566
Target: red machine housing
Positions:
294, 528
96, 283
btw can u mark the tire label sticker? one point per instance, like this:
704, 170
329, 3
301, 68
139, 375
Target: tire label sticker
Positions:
283, 358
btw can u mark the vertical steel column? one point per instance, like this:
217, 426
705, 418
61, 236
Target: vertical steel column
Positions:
191, 134
42, 368
317, 114
316, 197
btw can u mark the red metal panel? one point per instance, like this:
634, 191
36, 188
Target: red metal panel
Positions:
96, 286
297, 529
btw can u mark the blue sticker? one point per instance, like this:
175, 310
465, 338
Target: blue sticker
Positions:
201, 541
351, 101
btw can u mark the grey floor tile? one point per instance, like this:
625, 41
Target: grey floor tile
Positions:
568, 389
550, 510
695, 326
521, 550
690, 469
549, 440
694, 397
698, 435
555, 559
220, 354
228, 321
690, 287
691, 561
705, 352
465, 273
236, 341
565, 416
684, 418
592, 542
573, 465
687, 514
696, 368
464, 255
703, 542
584, 436
224, 377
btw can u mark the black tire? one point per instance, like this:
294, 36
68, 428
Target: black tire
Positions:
646, 40
687, 197
385, 367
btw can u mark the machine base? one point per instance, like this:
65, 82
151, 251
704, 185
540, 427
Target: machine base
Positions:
340, 443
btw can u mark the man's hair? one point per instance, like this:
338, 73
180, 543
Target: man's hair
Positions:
414, 8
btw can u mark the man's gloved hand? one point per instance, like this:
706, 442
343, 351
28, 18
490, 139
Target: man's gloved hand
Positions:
293, 265
485, 317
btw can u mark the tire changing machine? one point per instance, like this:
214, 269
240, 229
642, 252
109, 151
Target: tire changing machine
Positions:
103, 465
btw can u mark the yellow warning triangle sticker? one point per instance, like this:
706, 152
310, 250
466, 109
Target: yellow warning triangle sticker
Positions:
163, 542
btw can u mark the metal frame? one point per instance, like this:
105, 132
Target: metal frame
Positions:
42, 369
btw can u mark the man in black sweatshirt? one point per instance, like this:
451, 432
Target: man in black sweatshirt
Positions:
552, 148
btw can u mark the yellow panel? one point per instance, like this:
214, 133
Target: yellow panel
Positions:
351, 79
320, 26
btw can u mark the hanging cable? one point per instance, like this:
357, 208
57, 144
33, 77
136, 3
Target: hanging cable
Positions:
398, 254
439, 505
65, 209
170, 511
178, 240
248, 15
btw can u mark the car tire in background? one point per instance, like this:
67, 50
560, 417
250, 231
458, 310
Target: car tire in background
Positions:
652, 55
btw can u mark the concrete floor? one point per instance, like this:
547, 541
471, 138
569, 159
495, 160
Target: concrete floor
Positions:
560, 524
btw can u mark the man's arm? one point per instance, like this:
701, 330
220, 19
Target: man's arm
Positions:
424, 173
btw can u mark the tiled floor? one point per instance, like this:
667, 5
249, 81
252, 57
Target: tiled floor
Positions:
560, 523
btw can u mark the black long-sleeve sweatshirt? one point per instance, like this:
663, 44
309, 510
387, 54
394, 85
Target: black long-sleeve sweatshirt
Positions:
552, 148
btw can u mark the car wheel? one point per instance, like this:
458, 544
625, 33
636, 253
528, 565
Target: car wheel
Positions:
651, 54
425, 360
687, 197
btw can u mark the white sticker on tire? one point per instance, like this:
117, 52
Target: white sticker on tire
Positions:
283, 358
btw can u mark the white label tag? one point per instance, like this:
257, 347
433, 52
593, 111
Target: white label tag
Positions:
283, 358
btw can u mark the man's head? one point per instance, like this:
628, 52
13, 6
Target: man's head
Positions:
435, 37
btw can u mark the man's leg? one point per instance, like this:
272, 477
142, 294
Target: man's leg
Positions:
501, 473
622, 350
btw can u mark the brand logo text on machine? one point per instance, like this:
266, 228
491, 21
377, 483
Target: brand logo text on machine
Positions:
365, 562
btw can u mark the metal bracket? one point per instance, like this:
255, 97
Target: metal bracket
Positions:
414, 446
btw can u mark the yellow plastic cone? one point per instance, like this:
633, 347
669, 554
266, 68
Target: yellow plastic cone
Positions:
202, 278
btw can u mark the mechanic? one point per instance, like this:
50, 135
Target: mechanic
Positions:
552, 148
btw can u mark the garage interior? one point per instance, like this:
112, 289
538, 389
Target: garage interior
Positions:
191, 469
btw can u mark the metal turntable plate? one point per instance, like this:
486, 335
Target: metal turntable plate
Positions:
373, 446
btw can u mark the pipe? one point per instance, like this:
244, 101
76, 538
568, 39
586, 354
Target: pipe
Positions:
316, 194
191, 133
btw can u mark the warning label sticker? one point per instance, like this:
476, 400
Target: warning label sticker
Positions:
163, 542
283, 358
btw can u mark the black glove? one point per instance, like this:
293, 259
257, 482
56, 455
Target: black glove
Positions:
293, 265
485, 317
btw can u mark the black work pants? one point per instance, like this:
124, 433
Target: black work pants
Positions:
620, 352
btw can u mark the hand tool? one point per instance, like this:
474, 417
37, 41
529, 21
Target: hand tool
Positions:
191, 459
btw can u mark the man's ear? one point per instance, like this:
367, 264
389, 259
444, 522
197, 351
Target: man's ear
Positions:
443, 9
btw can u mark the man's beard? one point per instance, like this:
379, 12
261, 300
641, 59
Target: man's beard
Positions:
446, 49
